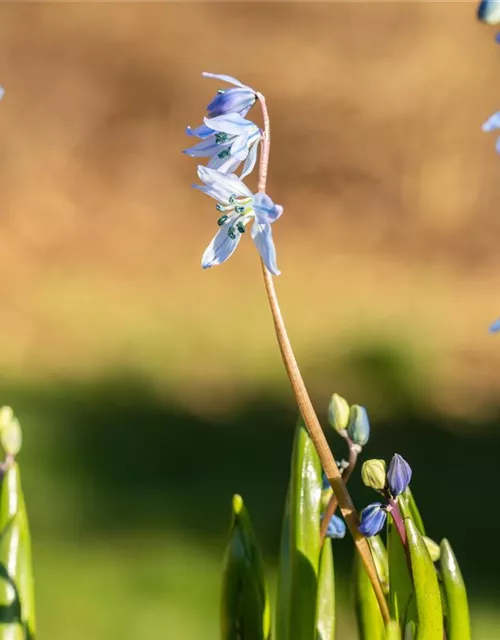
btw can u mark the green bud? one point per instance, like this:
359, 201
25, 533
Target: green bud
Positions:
433, 548
11, 437
338, 412
6, 416
359, 425
373, 473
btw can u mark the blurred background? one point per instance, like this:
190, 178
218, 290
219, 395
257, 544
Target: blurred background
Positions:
150, 391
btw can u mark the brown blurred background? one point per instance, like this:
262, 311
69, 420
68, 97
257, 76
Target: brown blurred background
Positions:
145, 385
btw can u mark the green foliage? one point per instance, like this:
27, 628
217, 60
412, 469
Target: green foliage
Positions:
245, 611
325, 605
457, 621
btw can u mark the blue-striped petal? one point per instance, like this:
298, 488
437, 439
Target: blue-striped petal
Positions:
492, 123
265, 209
221, 248
224, 78
228, 184
200, 132
251, 159
231, 123
495, 326
263, 238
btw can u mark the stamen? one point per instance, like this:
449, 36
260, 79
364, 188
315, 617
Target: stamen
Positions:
224, 154
241, 227
232, 198
220, 208
239, 209
221, 137
221, 220
231, 233
220, 91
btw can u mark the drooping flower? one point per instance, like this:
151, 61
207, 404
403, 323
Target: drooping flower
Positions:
336, 528
227, 140
492, 124
238, 206
238, 99
398, 475
373, 518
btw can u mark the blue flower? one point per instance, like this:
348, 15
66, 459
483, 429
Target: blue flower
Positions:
227, 140
373, 518
336, 528
238, 206
398, 475
239, 99
495, 326
489, 11
492, 124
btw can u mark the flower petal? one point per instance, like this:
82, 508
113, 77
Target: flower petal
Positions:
251, 160
336, 528
228, 183
221, 248
224, 78
373, 518
495, 327
265, 209
492, 123
224, 165
200, 132
263, 238
489, 11
205, 149
231, 123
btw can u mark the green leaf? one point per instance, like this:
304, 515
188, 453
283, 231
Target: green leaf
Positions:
370, 621
300, 547
381, 561
245, 610
16, 571
12, 632
283, 595
400, 583
457, 608
392, 631
427, 599
409, 509
325, 606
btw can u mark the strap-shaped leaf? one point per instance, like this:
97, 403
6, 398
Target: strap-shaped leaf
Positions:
300, 548
245, 610
426, 588
409, 509
392, 631
381, 560
370, 621
16, 569
457, 608
325, 606
401, 594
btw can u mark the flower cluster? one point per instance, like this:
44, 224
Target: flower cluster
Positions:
391, 484
229, 140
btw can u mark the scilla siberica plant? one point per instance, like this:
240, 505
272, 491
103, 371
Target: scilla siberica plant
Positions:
399, 590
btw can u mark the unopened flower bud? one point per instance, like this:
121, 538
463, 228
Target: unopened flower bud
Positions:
6, 416
433, 548
336, 528
11, 437
359, 426
373, 473
398, 475
338, 412
373, 518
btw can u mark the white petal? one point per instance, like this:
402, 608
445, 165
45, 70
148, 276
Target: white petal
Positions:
227, 183
205, 148
224, 78
263, 238
224, 165
265, 210
221, 248
231, 123
251, 160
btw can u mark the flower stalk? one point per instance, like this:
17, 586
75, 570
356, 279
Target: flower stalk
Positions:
304, 403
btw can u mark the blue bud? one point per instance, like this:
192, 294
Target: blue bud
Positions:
398, 475
373, 518
497, 38
234, 100
336, 528
326, 484
358, 428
